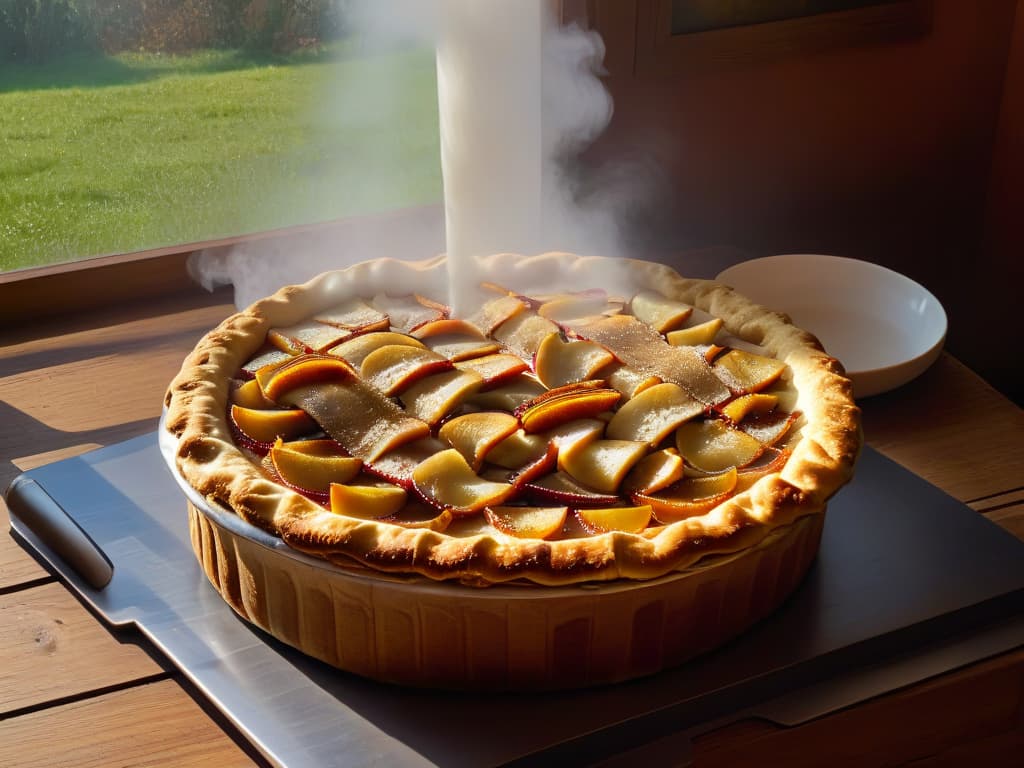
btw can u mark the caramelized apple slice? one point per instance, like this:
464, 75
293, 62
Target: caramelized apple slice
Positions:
447, 480
650, 416
771, 428
267, 357
394, 367
690, 497
560, 488
561, 309
474, 435
601, 464
527, 522
356, 315
559, 361
363, 420
749, 475
605, 519
265, 426
655, 471
746, 405
313, 465
557, 406
356, 349
419, 515
508, 397
523, 333
660, 312
303, 371
630, 382
701, 333
249, 395
406, 313
448, 327
578, 430
496, 370
746, 372
517, 450
309, 336
367, 501
396, 466
457, 347
434, 397
494, 312
713, 446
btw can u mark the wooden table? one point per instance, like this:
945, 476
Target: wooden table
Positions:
73, 693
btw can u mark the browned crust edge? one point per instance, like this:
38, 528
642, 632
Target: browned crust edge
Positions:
821, 463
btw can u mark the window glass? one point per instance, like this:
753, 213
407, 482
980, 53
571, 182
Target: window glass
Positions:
129, 126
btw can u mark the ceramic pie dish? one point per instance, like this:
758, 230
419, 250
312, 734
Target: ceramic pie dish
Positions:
469, 601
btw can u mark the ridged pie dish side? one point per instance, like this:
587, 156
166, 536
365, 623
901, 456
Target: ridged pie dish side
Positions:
821, 460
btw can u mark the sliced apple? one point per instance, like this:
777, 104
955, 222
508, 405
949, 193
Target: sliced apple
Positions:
509, 396
309, 336
527, 522
630, 382
434, 397
313, 465
446, 480
419, 515
266, 357
517, 450
303, 371
771, 428
660, 312
523, 333
560, 488
748, 405
578, 430
474, 435
746, 372
265, 426
458, 347
559, 361
396, 466
655, 471
249, 395
372, 501
406, 313
563, 308
395, 367
356, 349
494, 312
448, 327
712, 445
701, 333
496, 369
601, 464
574, 401
356, 315
690, 497
749, 475
651, 416
606, 519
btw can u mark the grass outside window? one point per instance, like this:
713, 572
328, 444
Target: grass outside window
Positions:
103, 155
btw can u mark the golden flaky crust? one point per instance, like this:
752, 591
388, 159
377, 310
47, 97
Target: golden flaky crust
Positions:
822, 459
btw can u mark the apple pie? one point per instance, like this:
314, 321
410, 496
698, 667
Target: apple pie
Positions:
587, 436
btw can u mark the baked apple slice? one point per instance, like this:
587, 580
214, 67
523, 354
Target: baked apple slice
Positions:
370, 501
395, 367
660, 312
712, 445
527, 522
560, 488
568, 403
690, 497
475, 435
496, 370
309, 336
248, 394
266, 425
605, 519
651, 416
267, 357
518, 449
523, 333
655, 471
447, 481
354, 314
356, 349
629, 381
559, 361
567, 307
312, 465
509, 396
303, 371
748, 405
433, 398
601, 464
406, 313
695, 335
745, 372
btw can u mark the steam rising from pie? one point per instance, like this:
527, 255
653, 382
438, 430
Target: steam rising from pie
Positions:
519, 99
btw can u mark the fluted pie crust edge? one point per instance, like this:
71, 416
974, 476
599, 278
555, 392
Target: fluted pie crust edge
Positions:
822, 459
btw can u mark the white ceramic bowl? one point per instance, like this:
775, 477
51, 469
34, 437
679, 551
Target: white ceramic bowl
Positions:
885, 328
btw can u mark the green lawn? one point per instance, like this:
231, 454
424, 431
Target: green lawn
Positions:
112, 155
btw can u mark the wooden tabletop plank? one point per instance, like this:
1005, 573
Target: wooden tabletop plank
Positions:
52, 648
952, 429
156, 724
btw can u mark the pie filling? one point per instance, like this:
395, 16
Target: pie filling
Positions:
549, 418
